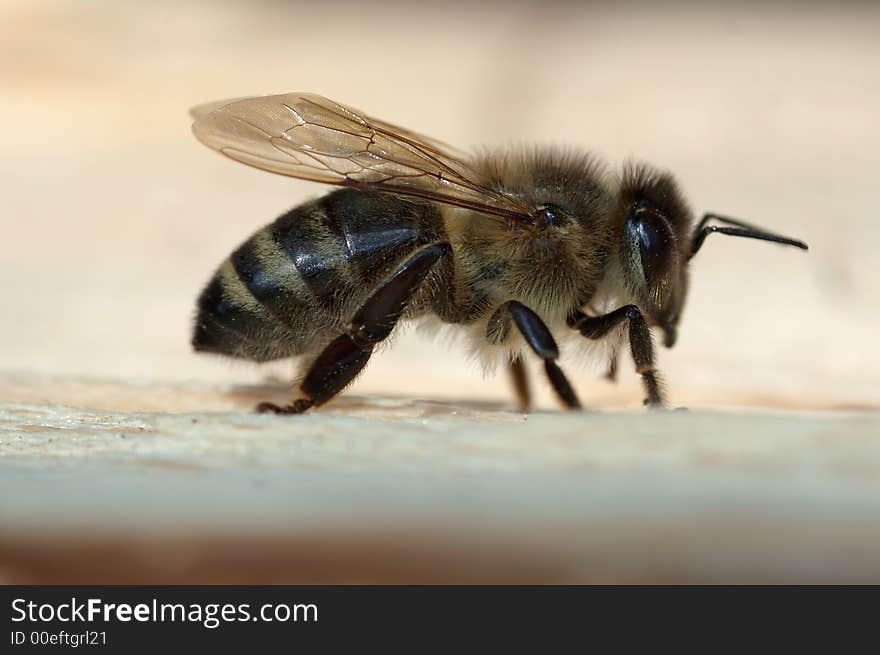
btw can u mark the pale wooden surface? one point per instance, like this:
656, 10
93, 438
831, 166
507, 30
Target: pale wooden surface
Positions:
113, 216
404, 490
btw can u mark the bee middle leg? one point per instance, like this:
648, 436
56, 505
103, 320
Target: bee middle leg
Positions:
346, 356
538, 336
611, 373
520, 379
640, 344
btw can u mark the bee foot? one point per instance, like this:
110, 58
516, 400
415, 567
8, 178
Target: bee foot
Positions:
296, 407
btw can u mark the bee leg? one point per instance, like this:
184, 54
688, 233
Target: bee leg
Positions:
611, 374
340, 362
298, 406
538, 336
640, 344
518, 376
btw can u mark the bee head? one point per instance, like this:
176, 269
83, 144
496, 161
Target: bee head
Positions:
655, 246
658, 243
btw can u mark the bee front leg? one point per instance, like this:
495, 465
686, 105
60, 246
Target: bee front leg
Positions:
340, 362
539, 338
640, 343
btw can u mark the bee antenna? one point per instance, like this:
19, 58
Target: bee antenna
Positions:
740, 230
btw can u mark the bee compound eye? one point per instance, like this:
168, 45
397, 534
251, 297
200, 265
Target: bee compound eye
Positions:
651, 232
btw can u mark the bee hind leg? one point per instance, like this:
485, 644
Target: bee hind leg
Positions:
539, 338
343, 358
640, 344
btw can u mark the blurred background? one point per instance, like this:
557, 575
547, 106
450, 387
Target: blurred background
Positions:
114, 216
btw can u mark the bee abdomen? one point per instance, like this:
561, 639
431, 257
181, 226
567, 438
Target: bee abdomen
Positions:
230, 321
296, 282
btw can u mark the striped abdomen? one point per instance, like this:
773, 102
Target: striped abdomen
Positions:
295, 284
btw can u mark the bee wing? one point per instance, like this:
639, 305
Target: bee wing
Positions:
310, 137
200, 111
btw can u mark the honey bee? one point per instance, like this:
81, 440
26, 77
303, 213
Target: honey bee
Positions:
511, 247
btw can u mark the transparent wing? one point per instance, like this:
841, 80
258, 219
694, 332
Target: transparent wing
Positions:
308, 136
